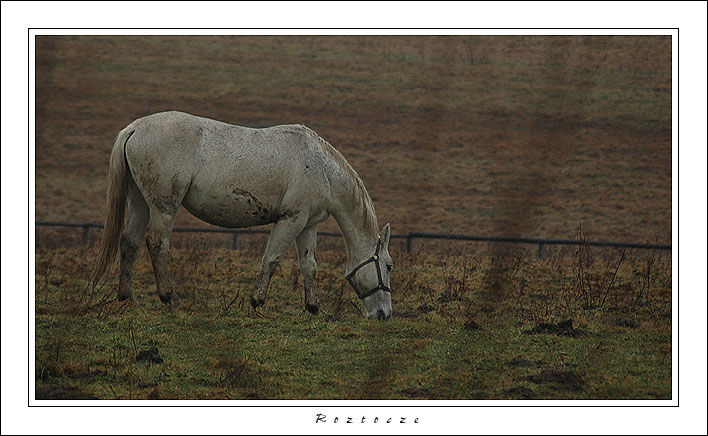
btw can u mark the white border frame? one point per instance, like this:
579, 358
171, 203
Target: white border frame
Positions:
296, 420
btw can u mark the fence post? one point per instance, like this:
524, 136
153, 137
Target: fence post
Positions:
409, 244
234, 241
85, 235
540, 250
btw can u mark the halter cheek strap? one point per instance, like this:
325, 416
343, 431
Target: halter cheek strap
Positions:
381, 286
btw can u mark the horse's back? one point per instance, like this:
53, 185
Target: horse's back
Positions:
225, 174
173, 134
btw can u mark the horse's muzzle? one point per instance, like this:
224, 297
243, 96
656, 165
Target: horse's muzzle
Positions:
382, 316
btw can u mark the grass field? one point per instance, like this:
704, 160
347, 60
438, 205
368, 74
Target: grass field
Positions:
507, 136
464, 327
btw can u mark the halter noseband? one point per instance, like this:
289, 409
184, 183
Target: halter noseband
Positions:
381, 286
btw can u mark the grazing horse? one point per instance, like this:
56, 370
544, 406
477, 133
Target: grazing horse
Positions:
234, 177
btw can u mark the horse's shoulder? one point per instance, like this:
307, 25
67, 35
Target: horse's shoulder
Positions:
168, 119
295, 134
295, 129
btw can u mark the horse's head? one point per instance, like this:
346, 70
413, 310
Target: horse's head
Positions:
371, 279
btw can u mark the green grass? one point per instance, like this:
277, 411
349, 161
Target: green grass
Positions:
216, 347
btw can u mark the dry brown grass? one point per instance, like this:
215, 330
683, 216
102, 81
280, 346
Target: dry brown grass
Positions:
493, 135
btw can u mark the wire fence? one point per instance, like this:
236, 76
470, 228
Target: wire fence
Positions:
409, 237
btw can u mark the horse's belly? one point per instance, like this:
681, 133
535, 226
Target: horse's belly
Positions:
234, 209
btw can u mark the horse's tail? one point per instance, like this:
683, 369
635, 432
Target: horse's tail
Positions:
115, 205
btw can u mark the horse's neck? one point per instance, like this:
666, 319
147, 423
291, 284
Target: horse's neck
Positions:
351, 218
360, 245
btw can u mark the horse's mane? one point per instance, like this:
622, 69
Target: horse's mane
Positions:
359, 194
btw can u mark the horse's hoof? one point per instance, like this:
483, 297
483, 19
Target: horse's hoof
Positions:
165, 298
124, 297
312, 308
256, 302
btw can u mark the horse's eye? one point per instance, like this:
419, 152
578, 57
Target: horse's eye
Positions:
390, 267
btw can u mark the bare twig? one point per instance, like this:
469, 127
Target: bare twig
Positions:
132, 336
355, 306
223, 312
612, 282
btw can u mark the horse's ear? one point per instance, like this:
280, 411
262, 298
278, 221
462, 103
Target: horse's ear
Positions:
386, 234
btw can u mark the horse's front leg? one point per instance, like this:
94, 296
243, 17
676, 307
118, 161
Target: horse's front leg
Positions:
282, 235
306, 242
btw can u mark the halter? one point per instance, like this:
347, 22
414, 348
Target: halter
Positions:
381, 286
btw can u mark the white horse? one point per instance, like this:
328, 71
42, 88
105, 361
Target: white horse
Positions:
234, 176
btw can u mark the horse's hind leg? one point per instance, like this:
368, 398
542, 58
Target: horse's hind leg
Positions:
158, 243
133, 236
306, 243
282, 235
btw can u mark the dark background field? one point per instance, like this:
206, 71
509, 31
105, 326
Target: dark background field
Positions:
513, 136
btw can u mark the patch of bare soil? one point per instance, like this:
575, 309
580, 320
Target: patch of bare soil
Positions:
563, 328
621, 321
420, 310
518, 393
416, 392
85, 374
519, 362
151, 355
425, 308
564, 380
472, 325
406, 314
61, 392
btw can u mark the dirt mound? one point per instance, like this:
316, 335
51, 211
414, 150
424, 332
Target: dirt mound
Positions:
151, 355
61, 392
518, 393
420, 310
416, 392
620, 321
518, 362
563, 328
85, 374
471, 325
425, 308
566, 380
